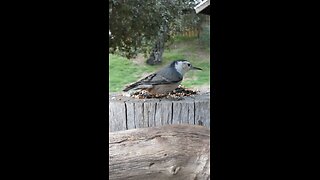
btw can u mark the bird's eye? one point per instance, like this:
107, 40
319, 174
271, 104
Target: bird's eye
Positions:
189, 65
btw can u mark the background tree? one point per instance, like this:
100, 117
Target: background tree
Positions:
139, 26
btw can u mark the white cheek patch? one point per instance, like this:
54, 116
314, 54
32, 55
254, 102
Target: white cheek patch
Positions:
179, 68
182, 67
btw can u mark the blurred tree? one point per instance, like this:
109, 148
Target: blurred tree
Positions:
139, 26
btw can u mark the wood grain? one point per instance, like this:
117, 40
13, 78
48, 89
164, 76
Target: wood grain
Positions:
162, 153
129, 113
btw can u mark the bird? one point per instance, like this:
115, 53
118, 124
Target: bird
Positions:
165, 80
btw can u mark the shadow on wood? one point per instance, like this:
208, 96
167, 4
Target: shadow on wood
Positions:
162, 153
129, 113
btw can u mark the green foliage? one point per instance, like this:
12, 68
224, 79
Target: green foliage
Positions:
204, 37
136, 24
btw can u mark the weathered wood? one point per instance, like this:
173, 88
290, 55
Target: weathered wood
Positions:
162, 153
149, 113
117, 116
129, 113
164, 112
183, 112
138, 115
202, 115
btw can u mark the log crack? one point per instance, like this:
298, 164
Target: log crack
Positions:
126, 115
134, 115
171, 113
194, 113
174, 170
154, 115
118, 142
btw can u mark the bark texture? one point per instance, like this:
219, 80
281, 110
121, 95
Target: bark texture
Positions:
157, 51
167, 152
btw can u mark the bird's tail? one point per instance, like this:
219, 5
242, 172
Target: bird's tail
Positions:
131, 86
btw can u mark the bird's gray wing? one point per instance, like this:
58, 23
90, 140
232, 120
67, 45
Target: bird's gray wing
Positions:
166, 76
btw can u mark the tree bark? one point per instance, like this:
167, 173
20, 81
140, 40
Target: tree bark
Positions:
167, 152
157, 52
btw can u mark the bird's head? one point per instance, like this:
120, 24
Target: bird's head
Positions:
183, 66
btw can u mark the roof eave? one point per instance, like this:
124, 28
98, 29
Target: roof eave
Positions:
203, 7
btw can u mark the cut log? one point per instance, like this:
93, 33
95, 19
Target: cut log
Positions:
129, 113
162, 153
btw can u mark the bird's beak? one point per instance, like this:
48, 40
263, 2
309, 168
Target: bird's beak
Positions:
196, 68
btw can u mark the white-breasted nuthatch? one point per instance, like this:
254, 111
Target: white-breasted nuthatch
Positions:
165, 80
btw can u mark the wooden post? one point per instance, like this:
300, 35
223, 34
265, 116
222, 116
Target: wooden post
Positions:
162, 153
129, 113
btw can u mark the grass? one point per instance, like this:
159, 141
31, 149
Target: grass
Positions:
123, 71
